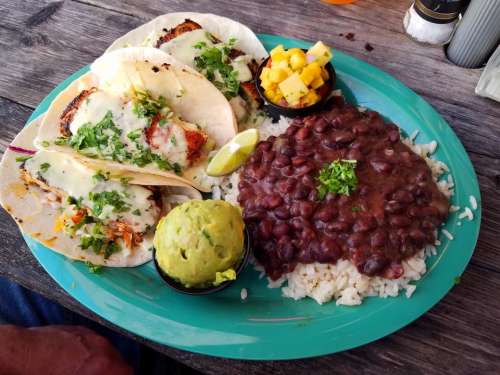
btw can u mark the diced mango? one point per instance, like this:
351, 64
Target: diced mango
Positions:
267, 84
321, 52
298, 60
293, 89
278, 49
292, 51
279, 57
283, 64
264, 75
310, 72
317, 82
311, 98
277, 74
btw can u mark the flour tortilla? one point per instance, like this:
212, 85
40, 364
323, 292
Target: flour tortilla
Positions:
37, 218
221, 27
188, 93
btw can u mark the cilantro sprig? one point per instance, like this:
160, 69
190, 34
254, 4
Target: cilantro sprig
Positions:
338, 177
147, 106
108, 198
100, 140
215, 64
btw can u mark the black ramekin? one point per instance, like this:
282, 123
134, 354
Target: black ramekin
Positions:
275, 110
211, 289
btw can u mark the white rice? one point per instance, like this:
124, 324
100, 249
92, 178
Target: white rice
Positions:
342, 281
244, 294
473, 202
467, 213
447, 234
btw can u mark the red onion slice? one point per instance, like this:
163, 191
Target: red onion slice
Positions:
21, 150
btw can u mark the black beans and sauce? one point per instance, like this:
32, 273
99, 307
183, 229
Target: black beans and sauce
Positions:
392, 213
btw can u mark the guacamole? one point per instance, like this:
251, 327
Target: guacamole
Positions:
200, 243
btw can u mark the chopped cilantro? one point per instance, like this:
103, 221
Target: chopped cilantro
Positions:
61, 141
75, 202
146, 106
108, 198
162, 122
338, 177
44, 167
355, 209
125, 180
101, 139
200, 45
21, 159
136, 212
134, 134
45, 143
93, 242
111, 248
93, 268
173, 140
100, 176
215, 64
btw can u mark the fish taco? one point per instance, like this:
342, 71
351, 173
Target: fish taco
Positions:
226, 52
88, 215
140, 110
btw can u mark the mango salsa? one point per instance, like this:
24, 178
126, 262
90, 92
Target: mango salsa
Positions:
292, 77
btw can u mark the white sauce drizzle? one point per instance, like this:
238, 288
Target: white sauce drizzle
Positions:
68, 175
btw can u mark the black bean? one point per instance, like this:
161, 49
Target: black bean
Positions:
298, 160
286, 251
281, 161
325, 214
273, 201
321, 125
343, 136
364, 224
378, 238
280, 230
301, 191
282, 213
402, 196
375, 265
381, 166
302, 134
399, 221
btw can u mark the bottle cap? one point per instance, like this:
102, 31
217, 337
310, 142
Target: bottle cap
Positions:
438, 11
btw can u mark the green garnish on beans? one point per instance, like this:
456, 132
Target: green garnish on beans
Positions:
338, 177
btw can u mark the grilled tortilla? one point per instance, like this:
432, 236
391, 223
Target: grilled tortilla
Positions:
82, 213
140, 110
194, 38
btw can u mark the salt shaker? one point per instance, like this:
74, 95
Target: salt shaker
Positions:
432, 21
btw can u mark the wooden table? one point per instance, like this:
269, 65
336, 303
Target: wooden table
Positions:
42, 42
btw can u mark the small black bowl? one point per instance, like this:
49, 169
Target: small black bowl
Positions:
211, 289
275, 111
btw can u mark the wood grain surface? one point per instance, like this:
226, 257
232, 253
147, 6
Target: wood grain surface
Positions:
42, 42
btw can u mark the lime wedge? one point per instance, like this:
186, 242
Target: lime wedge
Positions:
233, 154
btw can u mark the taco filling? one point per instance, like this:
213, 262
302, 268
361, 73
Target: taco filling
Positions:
107, 216
139, 130
231, 70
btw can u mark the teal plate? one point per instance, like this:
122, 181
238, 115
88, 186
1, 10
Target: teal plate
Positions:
267, 326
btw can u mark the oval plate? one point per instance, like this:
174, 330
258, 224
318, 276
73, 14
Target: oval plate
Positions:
267, 326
